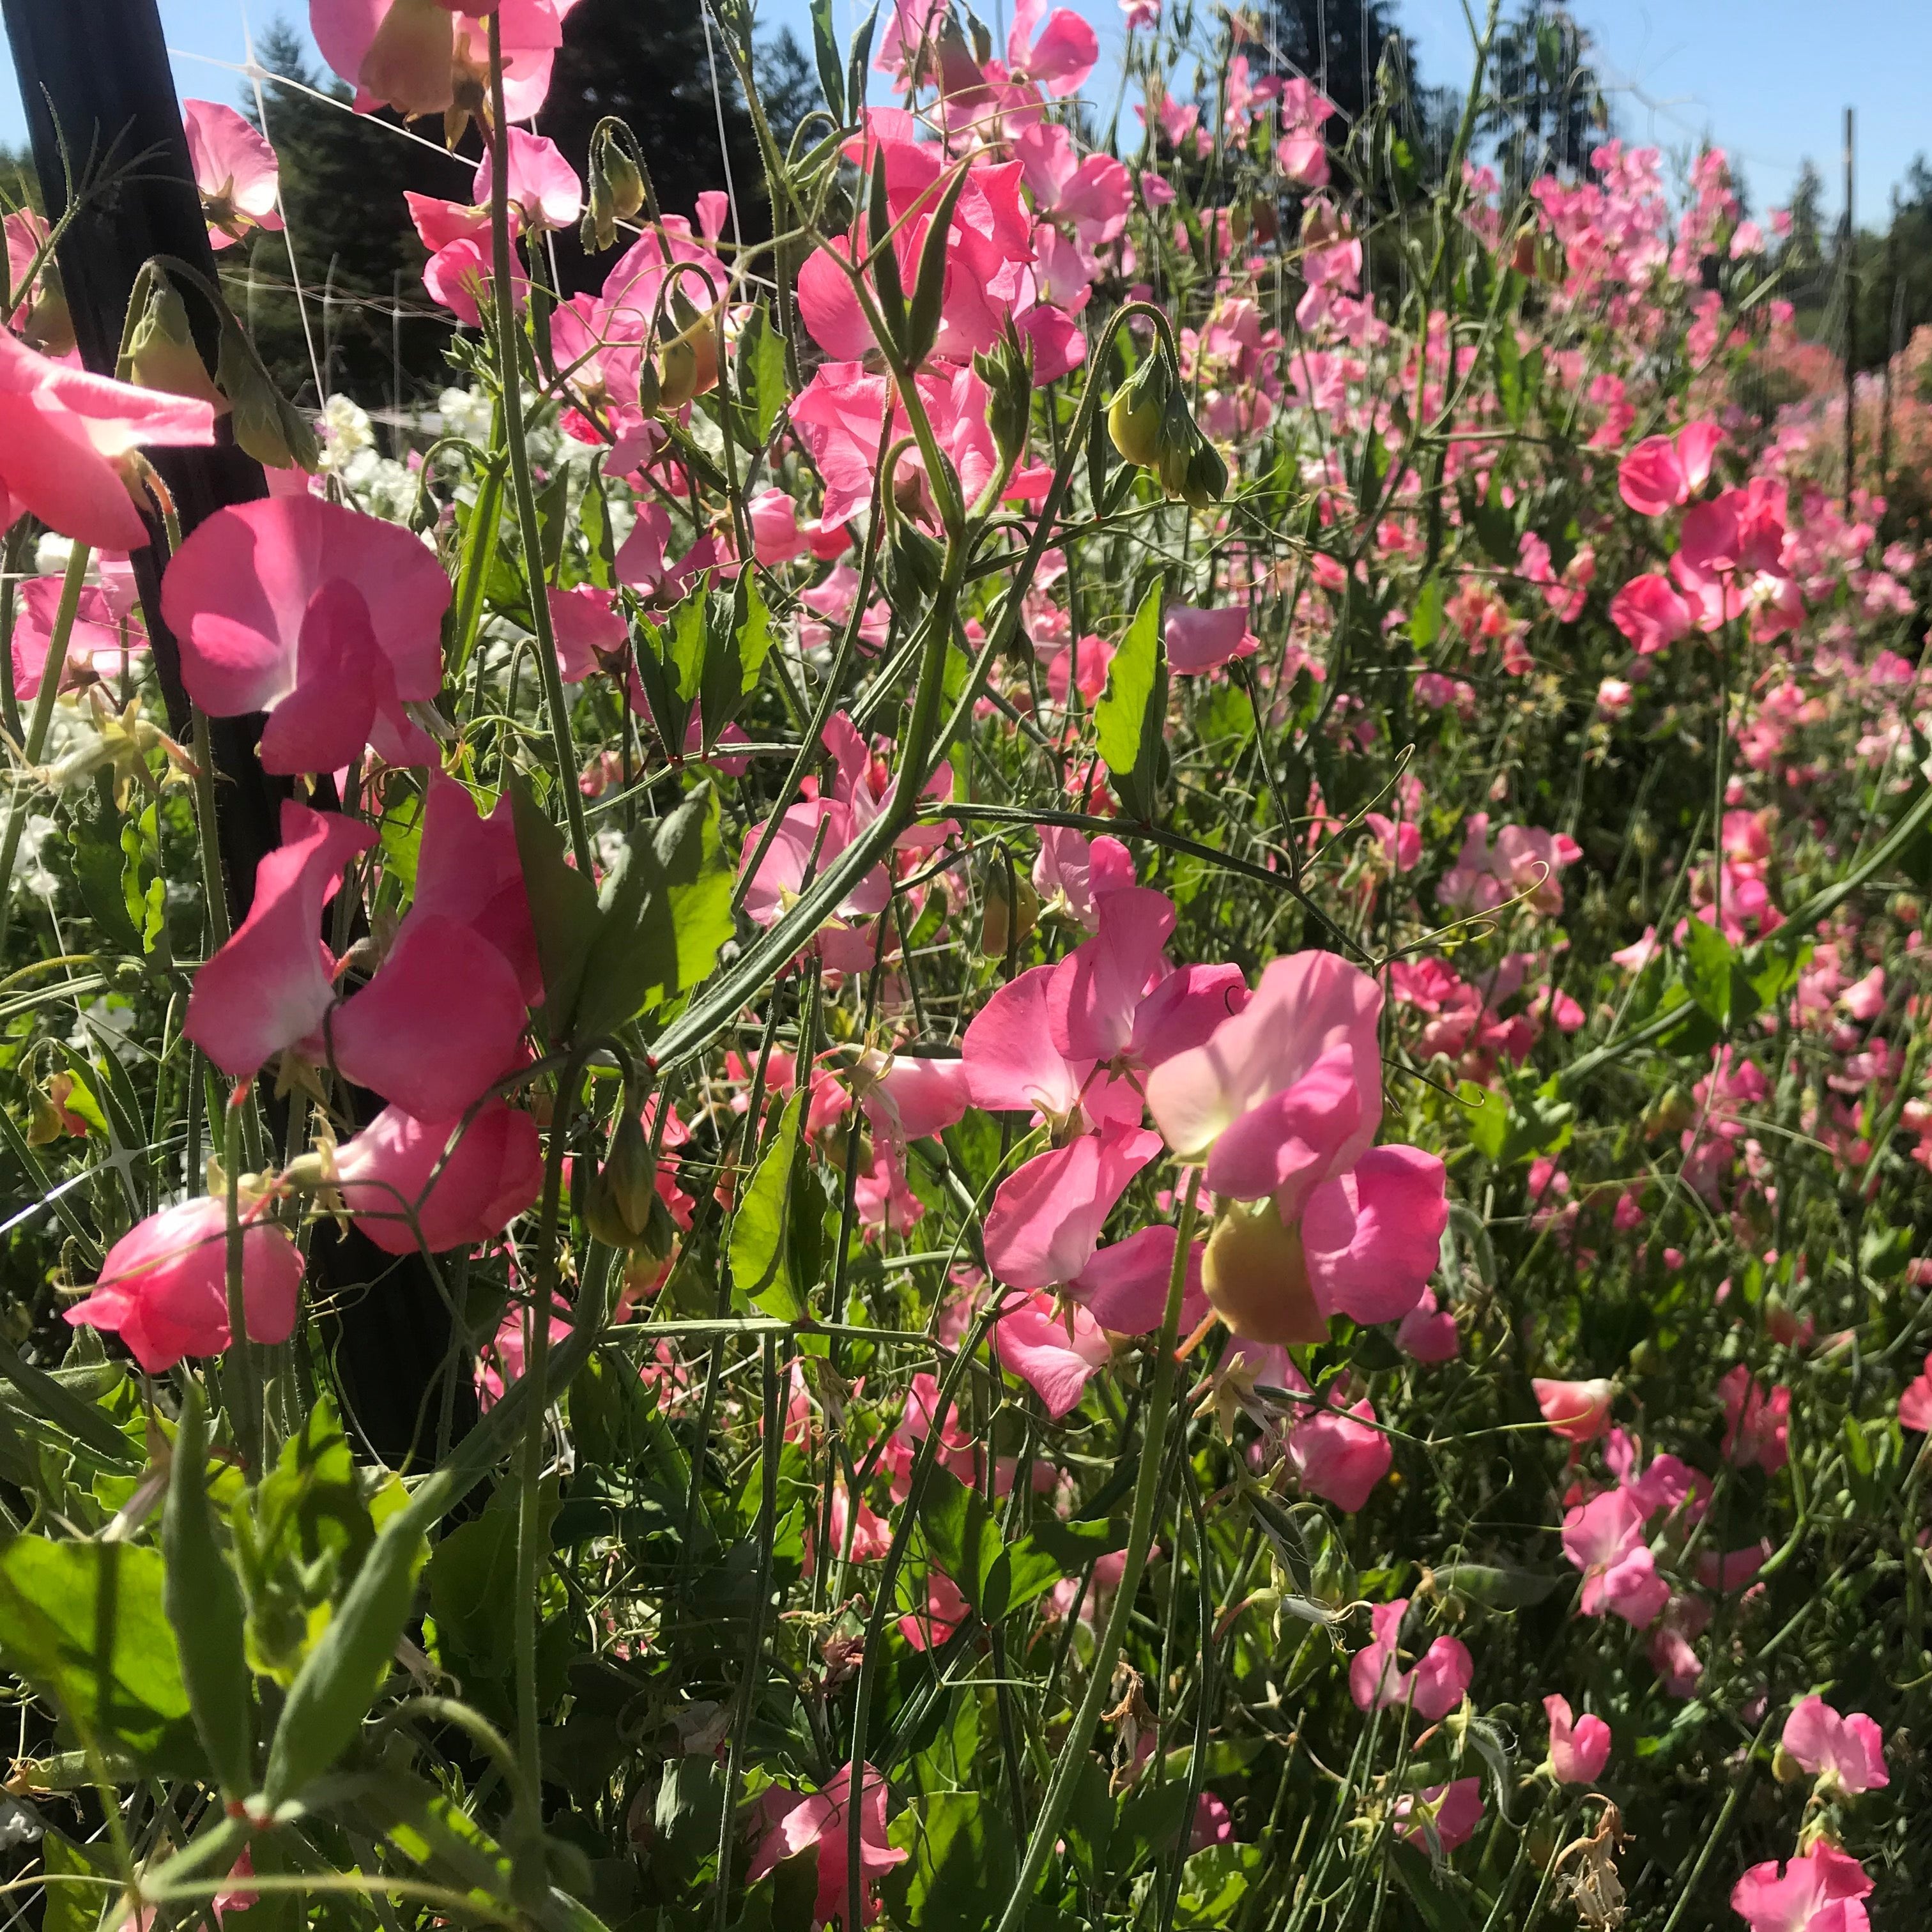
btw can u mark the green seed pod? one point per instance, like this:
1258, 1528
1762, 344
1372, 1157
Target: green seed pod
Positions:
203, 1602
618, 1202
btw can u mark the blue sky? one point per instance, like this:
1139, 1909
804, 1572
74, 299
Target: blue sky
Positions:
1768, 79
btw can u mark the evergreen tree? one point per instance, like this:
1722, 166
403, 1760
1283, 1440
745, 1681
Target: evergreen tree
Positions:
1546, 110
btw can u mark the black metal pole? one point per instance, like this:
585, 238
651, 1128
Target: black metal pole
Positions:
100, 99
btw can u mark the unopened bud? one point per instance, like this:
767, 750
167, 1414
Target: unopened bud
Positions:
688, 363
617, 184
1136, 415
162, 355
267, 425
1012, 910
618, 1203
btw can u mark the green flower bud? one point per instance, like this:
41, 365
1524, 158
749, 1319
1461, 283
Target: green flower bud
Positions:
1206, 481
1137, 415
267, 425
163, 355
619, 1202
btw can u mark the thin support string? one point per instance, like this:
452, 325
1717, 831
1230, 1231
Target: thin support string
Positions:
253, 71
723, 142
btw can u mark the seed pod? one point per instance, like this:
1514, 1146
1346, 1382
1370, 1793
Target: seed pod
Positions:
1008, 915
203, 1602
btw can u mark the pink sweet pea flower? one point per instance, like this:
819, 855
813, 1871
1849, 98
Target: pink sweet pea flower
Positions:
1580, 1412
1755, 1426
1435, 1686
1055, 1348
775, 536
1124, 1285
1337, 1453
269, 987
65, 439
1427, 1333
1849, 1751
408, 54
1445, 1817
545, 191
459, 1194
164, 1286
235, 170
1046, 1218
1649, 612
1604, 1539
585, 622
1660, 472
1578, 1749
1080, 875
1280, 1106
794, 1821
329, 620
1821, 1891
1199, 641
103, 637
405, 1038
1060, 56
1915, 1405
945, 1610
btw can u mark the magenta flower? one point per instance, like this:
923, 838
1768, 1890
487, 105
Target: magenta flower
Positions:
329, 620
1662, 472
1338, 1455
1849, 1751
545, 191
1649, 612
1820, 1891
164, 1286
66, 439
270, 987
1199, 641
1604, 1539
1444, 1816
1055, 1349
1580, 1412
1578, 1748
424, 57
235, 170
1044, 1222
1428, 1333
1435, 1686
795, 1821
1915, 1405
1757, 1427
460, 1193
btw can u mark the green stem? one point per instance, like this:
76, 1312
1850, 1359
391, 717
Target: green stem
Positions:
1140, 1536
244, 1390
51, 672
529, 530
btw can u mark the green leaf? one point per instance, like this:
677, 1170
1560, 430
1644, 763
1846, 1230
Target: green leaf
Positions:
1425, 621
471, 1577
882, 254
1149, 1821
97, 868
553, 518
1213, 1883
962, 1865
761, 1275
666, 911
735, 653
1439, 1909
771, 394
76, 1902
963, 1538
203, 1603
83, 1623
825, 52
1713, 974
1495, 1587
923, 318
1130, 717
563, 908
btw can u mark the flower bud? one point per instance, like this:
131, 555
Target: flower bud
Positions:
1136, 416
618, 1202
162, 354
1012, 910
616, 185
688, 363
1006, 369
1205, 482
267, 425
1256, 1277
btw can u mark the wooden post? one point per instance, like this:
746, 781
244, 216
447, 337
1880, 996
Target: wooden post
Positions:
94, 77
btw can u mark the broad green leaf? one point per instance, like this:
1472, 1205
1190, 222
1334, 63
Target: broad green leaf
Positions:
1149, 1822
760, 1271
472, 1576
964, 1852
768, 392
963, 1538
1440, 1908
83, 1623
1495, 1587
1713, 973
1130, 717
1213, 1883
1425, 621
76, 1899
563, 909
825, 52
